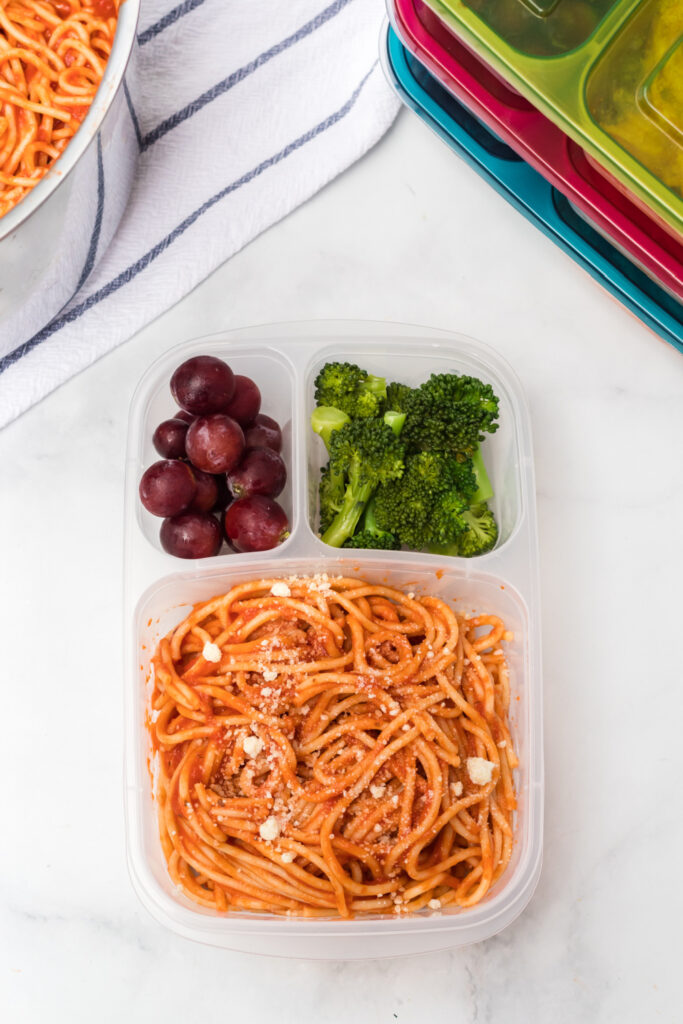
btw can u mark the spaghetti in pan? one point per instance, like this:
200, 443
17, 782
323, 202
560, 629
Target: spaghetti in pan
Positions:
52, 58
328, 747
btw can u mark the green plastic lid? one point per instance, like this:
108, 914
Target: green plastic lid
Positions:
610, 74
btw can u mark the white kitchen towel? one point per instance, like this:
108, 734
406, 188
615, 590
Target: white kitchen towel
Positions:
266, 102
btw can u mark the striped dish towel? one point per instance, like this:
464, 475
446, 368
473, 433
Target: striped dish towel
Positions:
243, 111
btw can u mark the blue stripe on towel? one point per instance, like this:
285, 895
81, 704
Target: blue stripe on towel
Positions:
168, 19
97, 227
133, 115
136, 268
238, 76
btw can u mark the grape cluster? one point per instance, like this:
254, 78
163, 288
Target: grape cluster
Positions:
219, 455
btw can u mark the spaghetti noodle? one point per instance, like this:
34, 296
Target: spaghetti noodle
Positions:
52, 57
331, 747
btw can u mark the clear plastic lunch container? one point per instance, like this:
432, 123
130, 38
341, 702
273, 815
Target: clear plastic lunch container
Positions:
609, 73
159, 591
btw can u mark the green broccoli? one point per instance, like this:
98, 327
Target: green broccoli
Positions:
356, 392
478, 537
450, 413
481, 533
331, 495
398, 396
370, 535
325, 419
426, 505
395, 420
367, 453
484, 490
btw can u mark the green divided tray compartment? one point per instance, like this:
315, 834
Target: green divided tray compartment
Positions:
610, 74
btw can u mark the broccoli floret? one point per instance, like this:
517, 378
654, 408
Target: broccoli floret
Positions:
463, 478
398, 396
450, 413
347, 387
372, 541
325, 419
371, 536
478, 537
331, 490
366, 452
447, 521
424, 506
481, 531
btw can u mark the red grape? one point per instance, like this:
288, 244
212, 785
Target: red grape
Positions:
214, 443
192, 535
169, 438
203, 385
167, 487
261, 471
245, 402
224, 497
207, 492
264, 432
255, 524
186, 417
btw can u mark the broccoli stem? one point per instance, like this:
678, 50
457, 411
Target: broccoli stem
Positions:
346, 520
325, 419
377, 385
395, 420
484, 490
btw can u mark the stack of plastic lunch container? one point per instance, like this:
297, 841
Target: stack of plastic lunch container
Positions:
571, 109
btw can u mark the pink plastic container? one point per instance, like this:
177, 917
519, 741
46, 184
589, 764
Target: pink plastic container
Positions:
540, 143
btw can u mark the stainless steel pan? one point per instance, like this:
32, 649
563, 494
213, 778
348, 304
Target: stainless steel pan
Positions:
50, 241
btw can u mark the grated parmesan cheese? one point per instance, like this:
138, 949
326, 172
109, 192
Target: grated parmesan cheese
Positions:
377, 791
457, 788
288, 857
434, 904
269, 674
280, 589
253, 745
270, 829
211, 652
480, 770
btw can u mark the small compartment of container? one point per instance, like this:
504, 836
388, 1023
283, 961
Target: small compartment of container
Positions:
501, 450
160, 590
542, 28
541, 143
615, 89
635, 90
275, 376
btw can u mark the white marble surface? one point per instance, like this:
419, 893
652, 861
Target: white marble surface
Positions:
410, 234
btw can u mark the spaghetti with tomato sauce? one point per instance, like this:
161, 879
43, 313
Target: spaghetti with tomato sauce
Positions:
52, 58
324, 747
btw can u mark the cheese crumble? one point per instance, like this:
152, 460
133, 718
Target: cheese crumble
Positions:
434, 904
377, 791
280, 589
270, 829
288, 857
480, 770
253, 745
211, 652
